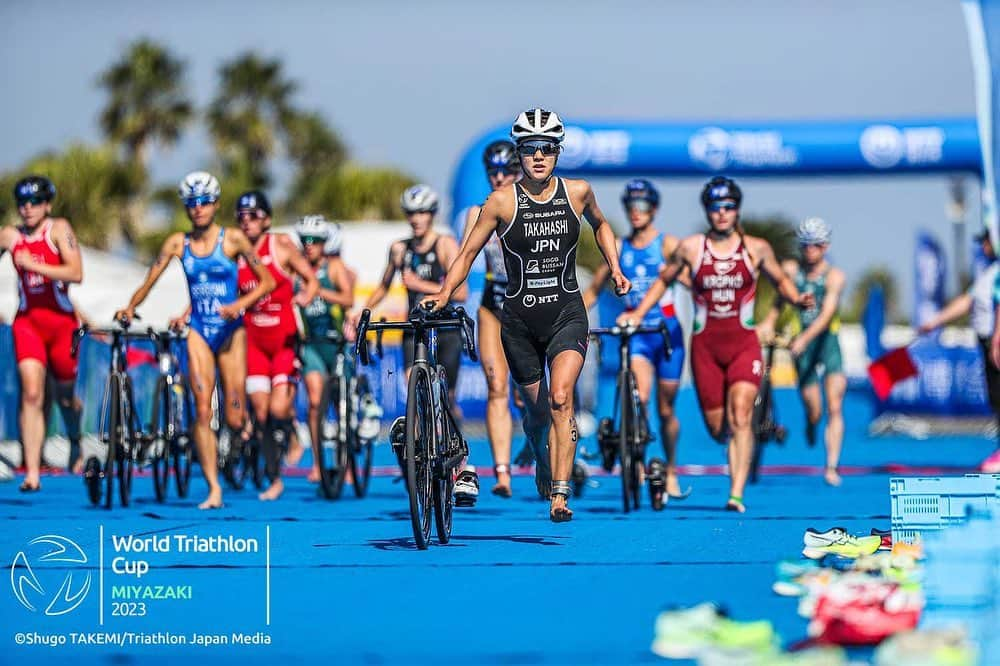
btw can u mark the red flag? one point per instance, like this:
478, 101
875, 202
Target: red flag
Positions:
890, 368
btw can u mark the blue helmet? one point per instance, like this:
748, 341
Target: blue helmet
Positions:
640, 189
720, 188
254, 199
34, 187
501, 155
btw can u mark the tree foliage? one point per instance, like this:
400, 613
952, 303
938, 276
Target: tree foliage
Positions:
92, 186
353, 192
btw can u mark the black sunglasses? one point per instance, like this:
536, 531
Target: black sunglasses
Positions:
34, 201
529, 148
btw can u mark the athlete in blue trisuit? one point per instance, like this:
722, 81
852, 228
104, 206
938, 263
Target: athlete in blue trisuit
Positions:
216, 336
543, 322
641, 255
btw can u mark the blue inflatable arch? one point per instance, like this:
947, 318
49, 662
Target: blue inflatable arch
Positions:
742, 149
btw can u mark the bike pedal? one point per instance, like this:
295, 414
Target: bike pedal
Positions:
464, 501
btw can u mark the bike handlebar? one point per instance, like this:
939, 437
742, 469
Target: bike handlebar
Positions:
420, 319
160, 338
626, 332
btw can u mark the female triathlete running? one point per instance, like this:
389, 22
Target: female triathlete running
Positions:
816, 347
502, 169
321, 241
272, 333
47, 259
641, 256
725, 353
423, 260
543, 322
208, 256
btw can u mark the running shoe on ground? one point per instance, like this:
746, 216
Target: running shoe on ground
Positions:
865, 613
656, 475
691, 632
685, 632
886, 536
927, 647
825, 655
809, 582
837, 541
992, 463
467, 487
914, 550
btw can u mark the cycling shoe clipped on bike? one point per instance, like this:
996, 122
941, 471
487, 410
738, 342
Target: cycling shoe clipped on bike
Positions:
607, 441
656, 476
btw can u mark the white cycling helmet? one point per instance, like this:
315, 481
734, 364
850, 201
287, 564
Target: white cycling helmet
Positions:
814, 231
419, 199
199, 184
537, 124
335, 241
312, 225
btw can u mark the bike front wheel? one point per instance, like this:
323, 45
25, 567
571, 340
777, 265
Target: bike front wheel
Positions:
160, 459
331, 471
361, 458
420, 443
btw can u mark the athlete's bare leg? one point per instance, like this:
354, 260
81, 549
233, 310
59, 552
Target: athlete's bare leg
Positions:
499, 424
670, 427
70, 407
538, 428
739, 405
201, 367
281, 408
812, 402
564, 373
32, 420
836, 386
314, 387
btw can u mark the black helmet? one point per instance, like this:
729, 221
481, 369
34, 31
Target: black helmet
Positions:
720, 188
253, 199
501, 155
640, 189
34, 187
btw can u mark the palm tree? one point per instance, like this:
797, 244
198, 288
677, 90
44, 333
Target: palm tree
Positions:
249, 111
313, 146
146, 103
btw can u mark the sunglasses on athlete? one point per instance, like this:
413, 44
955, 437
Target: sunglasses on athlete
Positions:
501, 171
640, 205
716, 206
34, 201
203, 200
529, 148
312, 240
251, 214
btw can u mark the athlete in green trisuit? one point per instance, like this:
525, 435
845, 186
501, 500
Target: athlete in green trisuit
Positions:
816, 348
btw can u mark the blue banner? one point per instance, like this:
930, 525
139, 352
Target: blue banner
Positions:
929, 278
982, 18
873, 321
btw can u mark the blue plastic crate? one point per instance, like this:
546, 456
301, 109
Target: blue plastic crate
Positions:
932, 503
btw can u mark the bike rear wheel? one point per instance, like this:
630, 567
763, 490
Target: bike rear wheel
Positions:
160, 460
361, 460
444, 483
420, 443
114, 434
181, 444
634, 444
129, 440
331, 473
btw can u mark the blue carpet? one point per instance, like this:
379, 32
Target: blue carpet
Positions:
347, 586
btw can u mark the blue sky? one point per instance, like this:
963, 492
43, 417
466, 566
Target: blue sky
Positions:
410, 84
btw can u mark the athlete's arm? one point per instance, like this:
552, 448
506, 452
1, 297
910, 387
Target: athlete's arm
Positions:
835, 281
71, 270
470, 221
343, 295
772, 269
300, 266
499, 205
391, 266
172, 247
596, 286
673, 267
765, 329
957, 307
670, 245
265, 281
8, 236
449, 252
603, 233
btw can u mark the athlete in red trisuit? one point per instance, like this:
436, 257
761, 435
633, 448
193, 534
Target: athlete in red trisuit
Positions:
725, 354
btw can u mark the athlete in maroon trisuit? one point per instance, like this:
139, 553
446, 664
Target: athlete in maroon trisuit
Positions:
725, 354
47, 259
272, 333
